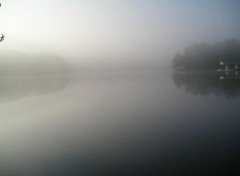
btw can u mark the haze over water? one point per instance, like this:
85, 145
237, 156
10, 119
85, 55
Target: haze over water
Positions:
87, 88
114, 125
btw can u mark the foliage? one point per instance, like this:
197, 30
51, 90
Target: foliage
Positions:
16, 63
205, 56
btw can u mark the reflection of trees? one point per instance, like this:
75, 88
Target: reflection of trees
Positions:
23, 74
16, 87
204, 83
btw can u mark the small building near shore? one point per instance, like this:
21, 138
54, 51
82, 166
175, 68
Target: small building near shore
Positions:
230, 65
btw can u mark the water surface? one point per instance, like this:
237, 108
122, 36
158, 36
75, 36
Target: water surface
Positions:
119, 123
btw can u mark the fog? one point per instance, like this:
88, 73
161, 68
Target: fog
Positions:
119, 87
119, 31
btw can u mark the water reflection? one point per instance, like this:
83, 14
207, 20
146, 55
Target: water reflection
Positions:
208, 82
114, 122
17, 87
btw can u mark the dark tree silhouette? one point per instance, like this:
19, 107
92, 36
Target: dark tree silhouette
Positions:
204, 56
3, 36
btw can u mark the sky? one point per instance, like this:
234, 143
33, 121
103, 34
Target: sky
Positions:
114, 30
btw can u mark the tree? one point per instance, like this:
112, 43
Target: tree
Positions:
3, 36
203, 56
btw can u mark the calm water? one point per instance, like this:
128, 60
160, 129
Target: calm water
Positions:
129, 123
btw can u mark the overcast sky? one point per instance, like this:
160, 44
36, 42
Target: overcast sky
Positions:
96, 30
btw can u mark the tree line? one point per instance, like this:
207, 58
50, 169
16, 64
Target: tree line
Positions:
17, 63
204, 56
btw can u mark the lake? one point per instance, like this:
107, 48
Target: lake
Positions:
119, 123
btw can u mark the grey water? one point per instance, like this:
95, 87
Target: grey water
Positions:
119, 123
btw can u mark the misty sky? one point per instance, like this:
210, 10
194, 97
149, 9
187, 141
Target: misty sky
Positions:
91, 30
